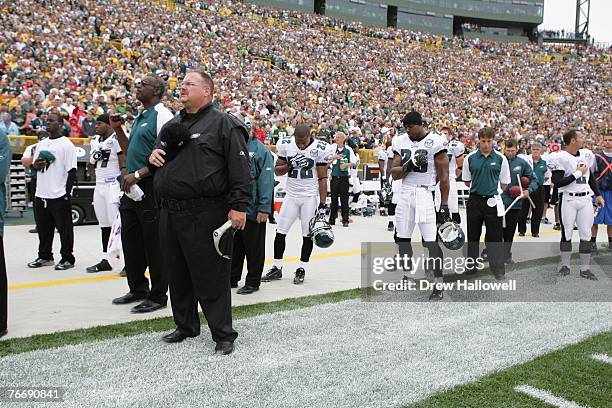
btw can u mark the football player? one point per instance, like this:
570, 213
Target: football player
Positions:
108, 160
305, 161
571, 174
420, 157
456, 154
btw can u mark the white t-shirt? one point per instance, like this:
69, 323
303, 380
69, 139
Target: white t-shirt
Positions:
51, 182
568, 163
107, 168
432, 144
304, 182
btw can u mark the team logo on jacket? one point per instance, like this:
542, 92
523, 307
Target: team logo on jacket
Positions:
428, 143
314, 153
194, 136
517, 169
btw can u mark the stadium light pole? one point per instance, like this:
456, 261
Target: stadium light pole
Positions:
583, 11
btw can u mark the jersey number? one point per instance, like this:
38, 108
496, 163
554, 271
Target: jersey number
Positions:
305, 172
407, 153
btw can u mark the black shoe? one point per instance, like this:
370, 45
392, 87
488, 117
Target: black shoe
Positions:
557, 226
436, 295
535, 235
233, 285
174, 337
3, 333
521, 234
272, 221
63, 265
147, 306
273, 274
545, 221
39, 262
101, 266
224, 347
528, 220
509, 261
300, 273
33, 231
128, 298
247, 290
345, 224
390, 226
564, 271
500, 276
588, 275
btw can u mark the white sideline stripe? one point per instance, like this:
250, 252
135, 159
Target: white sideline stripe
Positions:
602, 357
547, 397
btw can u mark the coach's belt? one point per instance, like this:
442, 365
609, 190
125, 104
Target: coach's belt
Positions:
584, 193
485, 197
182, 205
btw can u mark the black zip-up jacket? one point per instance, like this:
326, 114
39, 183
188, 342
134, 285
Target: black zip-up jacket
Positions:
214, 163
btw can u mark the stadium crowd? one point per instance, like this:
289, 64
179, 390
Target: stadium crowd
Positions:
279, 68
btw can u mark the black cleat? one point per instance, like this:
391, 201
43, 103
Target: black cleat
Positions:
39, 262
273, 274
521, 234
557, 226
588, 275
436, 295
564, 271
224, 347
300, 273
390, 226
63, 265
101, 266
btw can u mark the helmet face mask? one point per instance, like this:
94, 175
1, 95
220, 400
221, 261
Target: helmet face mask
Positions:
223, 239
451, 235
321, 232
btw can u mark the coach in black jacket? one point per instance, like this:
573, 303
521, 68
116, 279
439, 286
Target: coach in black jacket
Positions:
206, 182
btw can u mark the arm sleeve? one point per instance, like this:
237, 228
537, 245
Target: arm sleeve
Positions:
238, 168
70, 181
593, 184
504, 175
466, 175
265, 181
163, 116
559, 180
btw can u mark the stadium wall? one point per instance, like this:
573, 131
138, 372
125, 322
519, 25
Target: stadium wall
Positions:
435, 16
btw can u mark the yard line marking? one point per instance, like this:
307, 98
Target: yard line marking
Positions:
547, 397
604, 358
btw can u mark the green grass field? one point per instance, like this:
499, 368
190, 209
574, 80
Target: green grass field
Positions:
569, 373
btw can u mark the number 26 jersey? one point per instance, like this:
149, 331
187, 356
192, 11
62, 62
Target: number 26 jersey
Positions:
432, 144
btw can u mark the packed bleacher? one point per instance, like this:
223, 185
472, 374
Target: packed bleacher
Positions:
284, 67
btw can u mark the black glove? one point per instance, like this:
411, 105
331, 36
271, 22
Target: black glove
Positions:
321, 209
443, 215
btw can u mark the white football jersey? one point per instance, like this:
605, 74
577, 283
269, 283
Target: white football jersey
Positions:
304, 182
107, 168
567, 162
430, 145
455, 149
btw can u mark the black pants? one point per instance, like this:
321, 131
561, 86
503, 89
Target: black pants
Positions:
538, 198
512, 218
249, 242
478, 212
51, 214
3, 289
339, 189
197, 272
141, 249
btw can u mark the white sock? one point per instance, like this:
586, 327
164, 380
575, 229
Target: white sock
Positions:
303, 265
585, 262
278, 263
104, 256
565, 258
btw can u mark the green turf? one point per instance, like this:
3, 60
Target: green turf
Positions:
46, 341
569, 373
